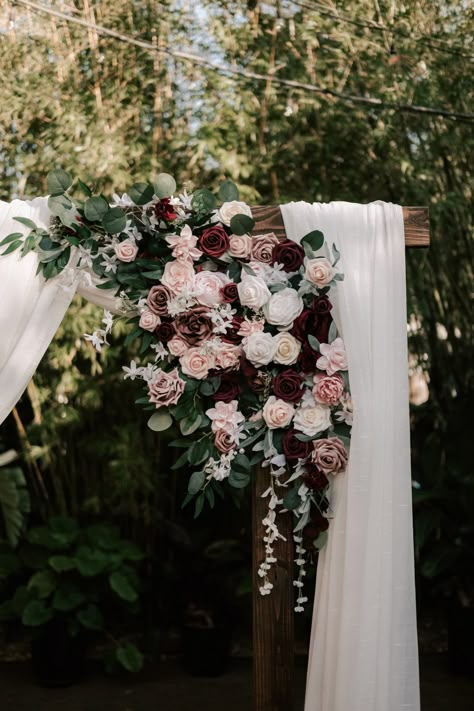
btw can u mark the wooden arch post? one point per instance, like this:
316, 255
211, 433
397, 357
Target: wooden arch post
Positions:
273, 615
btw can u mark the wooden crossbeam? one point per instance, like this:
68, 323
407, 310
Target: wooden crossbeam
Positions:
273, 615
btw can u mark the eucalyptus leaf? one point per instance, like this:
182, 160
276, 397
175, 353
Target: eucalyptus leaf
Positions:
196, 482
314, 239
332, 332
189, 425
160, 421
58, 181
114, 221
242, 224
164, 185
204, 201
141, 193
314, 343
228, 191
95, 208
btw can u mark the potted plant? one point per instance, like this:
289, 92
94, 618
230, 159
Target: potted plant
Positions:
70, 583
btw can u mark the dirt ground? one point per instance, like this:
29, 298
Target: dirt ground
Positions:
167, 688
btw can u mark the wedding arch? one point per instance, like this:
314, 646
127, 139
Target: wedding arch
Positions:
244, 310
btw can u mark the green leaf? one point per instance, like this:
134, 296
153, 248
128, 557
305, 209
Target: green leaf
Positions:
238, 480
181, 461
164, 185
199, 504
90, 562
321, 540
314, 239
67, 597
27, 222
209, 387
43, 583
292, 499
13, 237
95, 208
332, 332
199, 452
85, 188
196, 482
141, 193
63, 207
12, 247
242, 224
120, 584
190, 424
114, 221
160, 421
241, 464
36, 613
314, 343
129, 657
228, 191
29, 244
62, 563
58, 181
204, 201
91, 617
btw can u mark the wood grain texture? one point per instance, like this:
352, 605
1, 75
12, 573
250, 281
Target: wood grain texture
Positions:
416, 220
273, 615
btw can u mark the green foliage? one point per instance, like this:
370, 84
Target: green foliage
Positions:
14, 497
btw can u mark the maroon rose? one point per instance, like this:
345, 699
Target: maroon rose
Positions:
157, 299
229, 293
304, 324
232, 335
165, 211
314, 478
321, 305
287, 386
194, 326
318, 523
290, 254
214, 241
252, 376
293, 448
165, 331
229, 389
307, 358
322, 309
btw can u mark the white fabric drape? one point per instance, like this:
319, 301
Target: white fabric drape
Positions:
31, 308
363, 650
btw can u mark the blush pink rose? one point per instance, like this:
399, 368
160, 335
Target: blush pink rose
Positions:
319, 271
148, 320
166, 388
333, 357
248, 327
263, 246
227, 356
177, 276
225, 416
224, 441
196, 364
240, 246
328, 389
126, 251
330, 455
207, 287
176, 346
277, 413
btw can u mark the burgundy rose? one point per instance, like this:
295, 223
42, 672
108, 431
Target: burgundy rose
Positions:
318, 523
290, 254
304, 324
293, 448
214, 241
307, 358
157, 300
287, 386
314, 478
321, 305
165, 211
229, 389
252, 375
165, 331
232, 335
229, 293
194, 326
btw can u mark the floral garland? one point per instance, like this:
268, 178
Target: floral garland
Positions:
238, 345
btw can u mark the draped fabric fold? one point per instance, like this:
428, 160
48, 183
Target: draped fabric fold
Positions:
363, 649
31, 308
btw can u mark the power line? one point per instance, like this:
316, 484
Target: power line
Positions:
377, 27
247, 74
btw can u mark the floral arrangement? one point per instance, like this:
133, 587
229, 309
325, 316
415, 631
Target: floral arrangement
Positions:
237, 342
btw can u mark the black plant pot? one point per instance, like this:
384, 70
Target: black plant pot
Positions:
460, 640
57, 658
206, 650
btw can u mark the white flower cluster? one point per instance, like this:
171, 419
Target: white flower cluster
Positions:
219, 469
99, 337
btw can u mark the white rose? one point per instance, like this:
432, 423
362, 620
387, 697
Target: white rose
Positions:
319, 271
283, 307
312, 418
253, 292
229, 209
287, 349
207, 287
259, 348
277, 413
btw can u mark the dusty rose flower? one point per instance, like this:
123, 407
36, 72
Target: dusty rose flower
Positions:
157, 300
277, 413
148, 320
240, 246
319, 271
177, 276
287, 349
207, 287
166, 388
330, 455
224, 441
227, 356
176, 346
328, 389
126, 251
228, 210
263, 246
196, 364
333, 357
194, 326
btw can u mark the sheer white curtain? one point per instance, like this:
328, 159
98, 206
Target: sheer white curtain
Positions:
363, 650
31, 308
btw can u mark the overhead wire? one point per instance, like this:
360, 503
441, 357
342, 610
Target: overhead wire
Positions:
195, 59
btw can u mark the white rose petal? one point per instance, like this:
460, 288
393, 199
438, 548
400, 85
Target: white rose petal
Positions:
253, 292
259, 348
287, 349
283, 307
312, 419
229, 209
